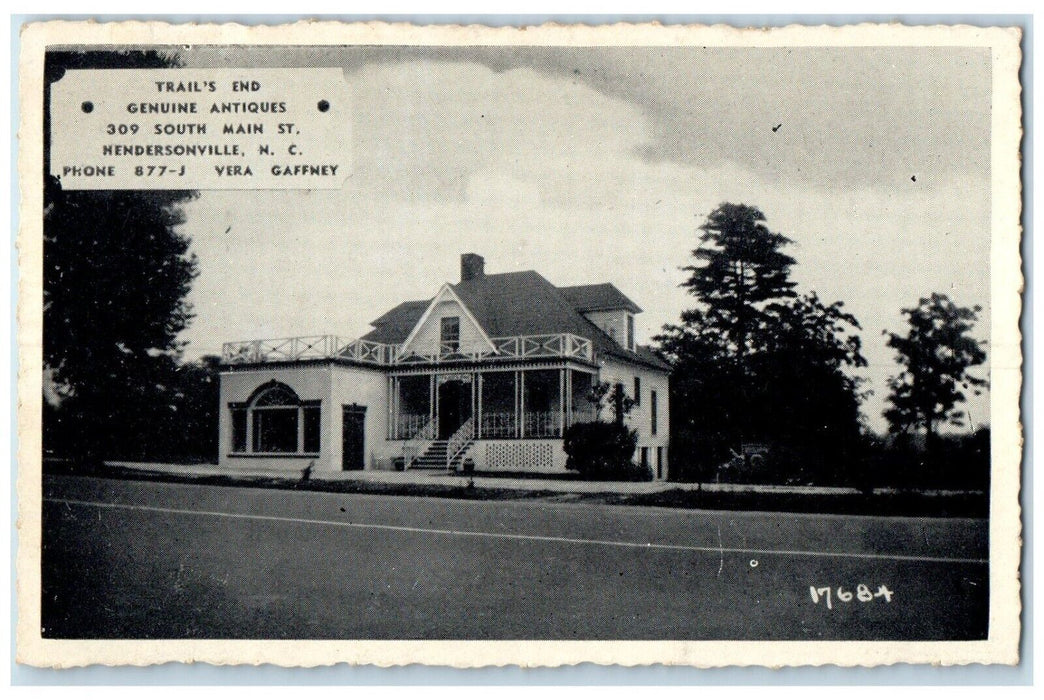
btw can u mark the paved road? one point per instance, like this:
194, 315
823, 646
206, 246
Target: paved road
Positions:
126, 559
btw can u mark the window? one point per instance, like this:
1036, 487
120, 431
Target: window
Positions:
275, 429
637, 391
652, 412
276, 421
630, 332
449, 334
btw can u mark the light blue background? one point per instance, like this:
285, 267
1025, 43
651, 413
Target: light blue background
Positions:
587, 674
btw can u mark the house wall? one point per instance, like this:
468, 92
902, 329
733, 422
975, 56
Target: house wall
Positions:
369, 388
612, 322
333, 386
640, 419
310, 382
427, 339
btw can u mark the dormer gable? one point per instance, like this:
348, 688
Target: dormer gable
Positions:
608, 308
618, 324
447, 327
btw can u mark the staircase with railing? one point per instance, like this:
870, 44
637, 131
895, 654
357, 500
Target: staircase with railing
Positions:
445, 454
458, 445
417, 445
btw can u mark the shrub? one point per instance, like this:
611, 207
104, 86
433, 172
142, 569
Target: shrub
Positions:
603, 451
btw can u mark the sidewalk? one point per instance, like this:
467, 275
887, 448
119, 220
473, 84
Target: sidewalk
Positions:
485, 481
515, 487
416, 477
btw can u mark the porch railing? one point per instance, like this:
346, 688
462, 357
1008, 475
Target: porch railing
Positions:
541, 423
584, 415
416, 445
498, 425
407, 425
460, 441
314, 347
420, 429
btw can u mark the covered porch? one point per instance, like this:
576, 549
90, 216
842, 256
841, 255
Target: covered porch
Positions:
492, 403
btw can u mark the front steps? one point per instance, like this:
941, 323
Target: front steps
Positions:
436, 455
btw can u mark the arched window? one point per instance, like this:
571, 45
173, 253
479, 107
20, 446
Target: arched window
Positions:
275, 421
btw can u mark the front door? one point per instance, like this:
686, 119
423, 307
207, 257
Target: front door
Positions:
454, 406
353, 434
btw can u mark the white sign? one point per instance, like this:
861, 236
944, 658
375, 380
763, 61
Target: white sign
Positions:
220, 129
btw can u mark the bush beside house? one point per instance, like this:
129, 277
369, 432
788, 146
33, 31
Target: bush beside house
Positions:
604, 452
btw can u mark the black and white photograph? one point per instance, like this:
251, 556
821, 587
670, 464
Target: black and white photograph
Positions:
429, 340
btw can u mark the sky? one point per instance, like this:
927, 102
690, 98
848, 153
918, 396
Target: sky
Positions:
599, 164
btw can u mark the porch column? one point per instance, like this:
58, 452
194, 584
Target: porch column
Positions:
518, 404
393, 412
561, 402
478, 413
432, 397
569, 397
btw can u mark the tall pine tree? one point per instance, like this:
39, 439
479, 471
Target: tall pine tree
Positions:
743, 274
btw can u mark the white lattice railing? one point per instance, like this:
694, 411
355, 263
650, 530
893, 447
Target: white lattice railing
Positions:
584, 415
460, 441
535, 424
498, 425
418, 442
556, 345
409, 424
564, 345
541, 423
312, 347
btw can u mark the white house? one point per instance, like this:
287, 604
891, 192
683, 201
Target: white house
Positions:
491, 369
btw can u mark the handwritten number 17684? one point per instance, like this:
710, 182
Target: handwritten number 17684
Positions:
862, 593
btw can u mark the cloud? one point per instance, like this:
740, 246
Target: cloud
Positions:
599, 165
846, 117
853, 117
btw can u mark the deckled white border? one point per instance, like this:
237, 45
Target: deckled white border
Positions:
1005, 358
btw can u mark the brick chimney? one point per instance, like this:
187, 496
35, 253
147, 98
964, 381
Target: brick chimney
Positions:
472, 267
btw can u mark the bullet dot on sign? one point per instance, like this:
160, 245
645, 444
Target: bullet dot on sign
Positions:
87, 107
323, 105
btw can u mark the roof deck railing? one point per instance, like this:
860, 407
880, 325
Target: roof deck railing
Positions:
321, 347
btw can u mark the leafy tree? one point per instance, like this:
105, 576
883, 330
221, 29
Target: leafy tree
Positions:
604, 394
192, 435
755, 361
808, 387
116, 274
936, 354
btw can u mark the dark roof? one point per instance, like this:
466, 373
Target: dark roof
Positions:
598, 297
393, 327
520, 303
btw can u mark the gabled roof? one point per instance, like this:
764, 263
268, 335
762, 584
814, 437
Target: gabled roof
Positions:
448, 294
521, 303
394, 326
598, 297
